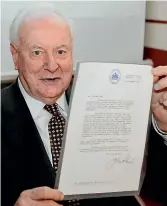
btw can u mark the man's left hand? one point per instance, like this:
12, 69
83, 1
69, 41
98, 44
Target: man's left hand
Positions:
159, 97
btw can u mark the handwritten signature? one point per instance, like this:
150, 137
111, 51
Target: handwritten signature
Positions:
120, 159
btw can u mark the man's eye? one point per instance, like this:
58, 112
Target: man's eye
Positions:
37, 53
61, 52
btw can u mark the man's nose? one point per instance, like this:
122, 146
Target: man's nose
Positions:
51, 63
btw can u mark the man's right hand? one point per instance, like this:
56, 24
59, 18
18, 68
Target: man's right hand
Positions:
40, 196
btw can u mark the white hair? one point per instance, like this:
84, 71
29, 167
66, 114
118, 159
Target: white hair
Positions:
35, 11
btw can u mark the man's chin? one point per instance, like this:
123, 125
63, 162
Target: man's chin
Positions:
53, 95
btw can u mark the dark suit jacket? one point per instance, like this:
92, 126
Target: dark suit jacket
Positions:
25, 163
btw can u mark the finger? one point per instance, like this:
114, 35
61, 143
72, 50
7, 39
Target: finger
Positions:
165, 103
163, 99
44, 193
156, 78
156, 96
161, 84
160, 71
46, 203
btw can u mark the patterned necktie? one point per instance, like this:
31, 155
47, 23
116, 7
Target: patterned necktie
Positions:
56, 129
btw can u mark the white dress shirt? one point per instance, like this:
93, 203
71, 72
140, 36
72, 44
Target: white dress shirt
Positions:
159, 131
42, 117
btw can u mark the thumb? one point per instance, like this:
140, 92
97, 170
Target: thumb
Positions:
45, 193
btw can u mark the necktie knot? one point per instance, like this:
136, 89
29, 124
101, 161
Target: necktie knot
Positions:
52, 109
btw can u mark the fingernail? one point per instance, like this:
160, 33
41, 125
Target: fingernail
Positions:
62, 196
161, 100
165, 103
154, 70
156, 86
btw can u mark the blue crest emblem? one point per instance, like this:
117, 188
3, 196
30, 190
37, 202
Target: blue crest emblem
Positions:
115, 76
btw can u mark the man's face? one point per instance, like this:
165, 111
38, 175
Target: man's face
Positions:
44, 58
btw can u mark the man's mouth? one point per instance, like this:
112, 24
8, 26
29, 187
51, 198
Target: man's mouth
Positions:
51, 79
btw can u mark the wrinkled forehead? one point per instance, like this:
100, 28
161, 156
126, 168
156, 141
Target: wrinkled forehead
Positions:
45, 32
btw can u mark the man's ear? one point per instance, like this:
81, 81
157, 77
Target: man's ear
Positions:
14, 53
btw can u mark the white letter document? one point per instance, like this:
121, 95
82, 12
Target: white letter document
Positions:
106, 133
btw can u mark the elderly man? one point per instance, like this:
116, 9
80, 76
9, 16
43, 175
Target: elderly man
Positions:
34, 109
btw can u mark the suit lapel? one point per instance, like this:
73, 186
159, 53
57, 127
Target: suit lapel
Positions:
68, 91
26, 128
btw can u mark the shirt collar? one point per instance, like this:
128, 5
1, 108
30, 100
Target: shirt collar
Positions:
36, 106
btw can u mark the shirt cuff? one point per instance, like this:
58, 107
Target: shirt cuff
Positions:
159, 131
